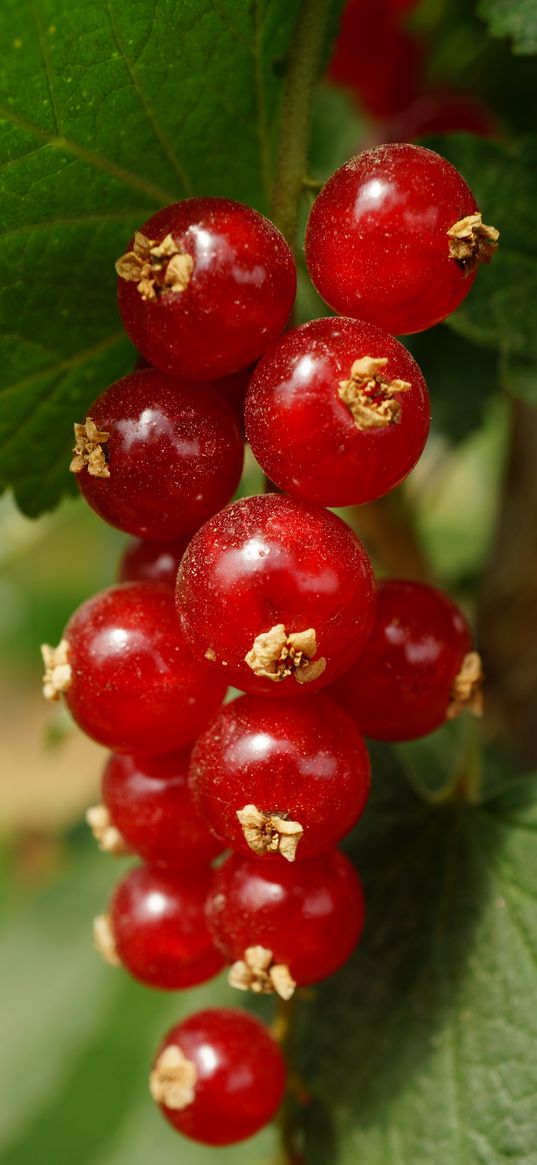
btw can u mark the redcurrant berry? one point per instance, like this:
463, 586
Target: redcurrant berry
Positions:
289, 778
395, 237
144, 561
375, 57
440, 112
218, 1076
273, 590
148, 808
282, 926
157, 456
205, 287
337, 412
417, 668
234, 389
129, 678
156, 930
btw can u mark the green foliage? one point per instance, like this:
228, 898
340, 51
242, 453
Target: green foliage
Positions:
109, 110
514, 18
423, 1048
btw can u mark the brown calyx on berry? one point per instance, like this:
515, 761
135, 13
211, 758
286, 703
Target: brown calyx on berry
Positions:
104, 941
58, 673
258, 972
269, 833
369, 396
275, 655
173, 1079
108, 838
472, 242
156, 267
466, 692
88, 451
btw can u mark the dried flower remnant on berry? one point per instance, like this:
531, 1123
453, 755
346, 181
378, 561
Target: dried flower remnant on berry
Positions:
57, 677
275, 655
108, 838
173, 1079
466, 693
88, 451
103, 939
270, 832
472, 242
156, 267
257, 972
369, 397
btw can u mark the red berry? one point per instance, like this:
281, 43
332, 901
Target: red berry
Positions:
406, 682
144, 561
205, 287
296, 772
234, 389
279, 594
378, 245
337, 412
129, 678
306, 919
375, 57
149, 803
170, 454
218, 1076
156, 929
441, 112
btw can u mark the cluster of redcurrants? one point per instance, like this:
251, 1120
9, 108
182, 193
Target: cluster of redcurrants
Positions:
274, 595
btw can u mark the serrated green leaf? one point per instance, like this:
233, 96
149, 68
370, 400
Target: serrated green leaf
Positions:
497, 311
423, 1048
109, 110
514, 18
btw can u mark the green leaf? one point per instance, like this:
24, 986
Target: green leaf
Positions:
423, 1049
497, 312
109, 110
78, 1039
514, 18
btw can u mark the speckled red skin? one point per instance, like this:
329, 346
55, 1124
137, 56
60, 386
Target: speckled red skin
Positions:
309, 914
150, 804
303, 759
135, 686
401, 686
144, 561
174, 454
240, 1076
157, 920
305, 437
376, 244
239, 297
269, 560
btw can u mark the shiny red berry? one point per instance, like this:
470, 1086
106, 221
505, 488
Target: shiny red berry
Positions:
289, 778
306, 918
388, 239
337, 412
157, 456
129, 678
156, 929
218, 1076
417, 667
205, 287
144, 561
278, 595
148, 802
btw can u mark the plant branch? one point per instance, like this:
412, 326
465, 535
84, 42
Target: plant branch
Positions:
304, 66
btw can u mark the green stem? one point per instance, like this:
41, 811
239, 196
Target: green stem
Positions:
292, 163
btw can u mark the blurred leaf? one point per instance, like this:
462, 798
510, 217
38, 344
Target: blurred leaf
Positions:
109, 110
423, 1047
520, 377
497, 313
78, 1039
514, 18
460, 376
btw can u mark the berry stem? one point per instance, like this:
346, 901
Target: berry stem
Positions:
305, 61
284, 1032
